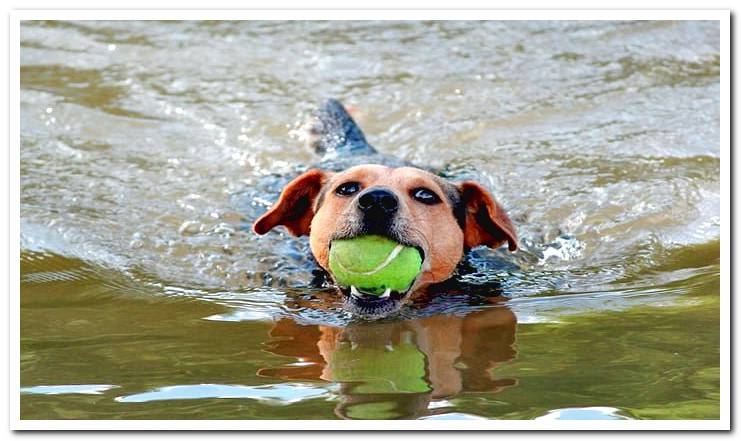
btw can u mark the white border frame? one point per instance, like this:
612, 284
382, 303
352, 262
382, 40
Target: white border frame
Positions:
723, 16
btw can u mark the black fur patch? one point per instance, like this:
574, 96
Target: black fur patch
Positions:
454, 197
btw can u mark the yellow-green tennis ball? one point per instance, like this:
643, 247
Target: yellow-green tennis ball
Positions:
374, 264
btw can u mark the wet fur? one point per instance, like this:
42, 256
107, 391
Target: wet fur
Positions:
466, 217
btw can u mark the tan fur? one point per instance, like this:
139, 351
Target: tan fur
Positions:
433, 227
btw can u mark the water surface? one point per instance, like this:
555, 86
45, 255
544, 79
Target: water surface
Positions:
147, 148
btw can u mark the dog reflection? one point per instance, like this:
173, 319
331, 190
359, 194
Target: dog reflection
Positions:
395, 369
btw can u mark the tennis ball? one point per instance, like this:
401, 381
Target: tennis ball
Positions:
374, 264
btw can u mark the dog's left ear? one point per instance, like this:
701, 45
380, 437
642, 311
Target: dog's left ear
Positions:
486, 222
295, 207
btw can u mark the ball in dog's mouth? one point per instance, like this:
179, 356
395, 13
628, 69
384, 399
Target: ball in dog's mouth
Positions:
374, 273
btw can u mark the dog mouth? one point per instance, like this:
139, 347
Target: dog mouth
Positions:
370, 305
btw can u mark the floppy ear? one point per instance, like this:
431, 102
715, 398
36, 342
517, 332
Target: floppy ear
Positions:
295, 207
486, 222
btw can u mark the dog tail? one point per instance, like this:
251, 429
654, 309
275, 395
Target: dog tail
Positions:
333, 132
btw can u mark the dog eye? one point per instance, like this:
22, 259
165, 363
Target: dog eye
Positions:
348, 188
425, 196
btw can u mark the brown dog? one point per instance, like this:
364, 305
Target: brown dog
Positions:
406, 204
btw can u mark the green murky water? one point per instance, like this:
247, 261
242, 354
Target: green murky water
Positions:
148, 147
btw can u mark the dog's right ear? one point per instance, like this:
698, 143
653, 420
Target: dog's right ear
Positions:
295, 206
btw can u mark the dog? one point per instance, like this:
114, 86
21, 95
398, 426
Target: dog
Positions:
358, 191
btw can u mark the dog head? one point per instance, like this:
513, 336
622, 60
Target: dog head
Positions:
408, 205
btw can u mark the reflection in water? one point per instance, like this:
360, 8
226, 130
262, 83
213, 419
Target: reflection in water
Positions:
395, 369
584, 413
85, 389
275, 394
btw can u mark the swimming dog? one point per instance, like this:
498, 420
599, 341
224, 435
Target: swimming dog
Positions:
358, 191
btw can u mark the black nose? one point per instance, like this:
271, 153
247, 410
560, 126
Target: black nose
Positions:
379, 201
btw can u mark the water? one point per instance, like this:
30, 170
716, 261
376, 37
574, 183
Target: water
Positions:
147, 148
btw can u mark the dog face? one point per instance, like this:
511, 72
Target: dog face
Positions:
408, 205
